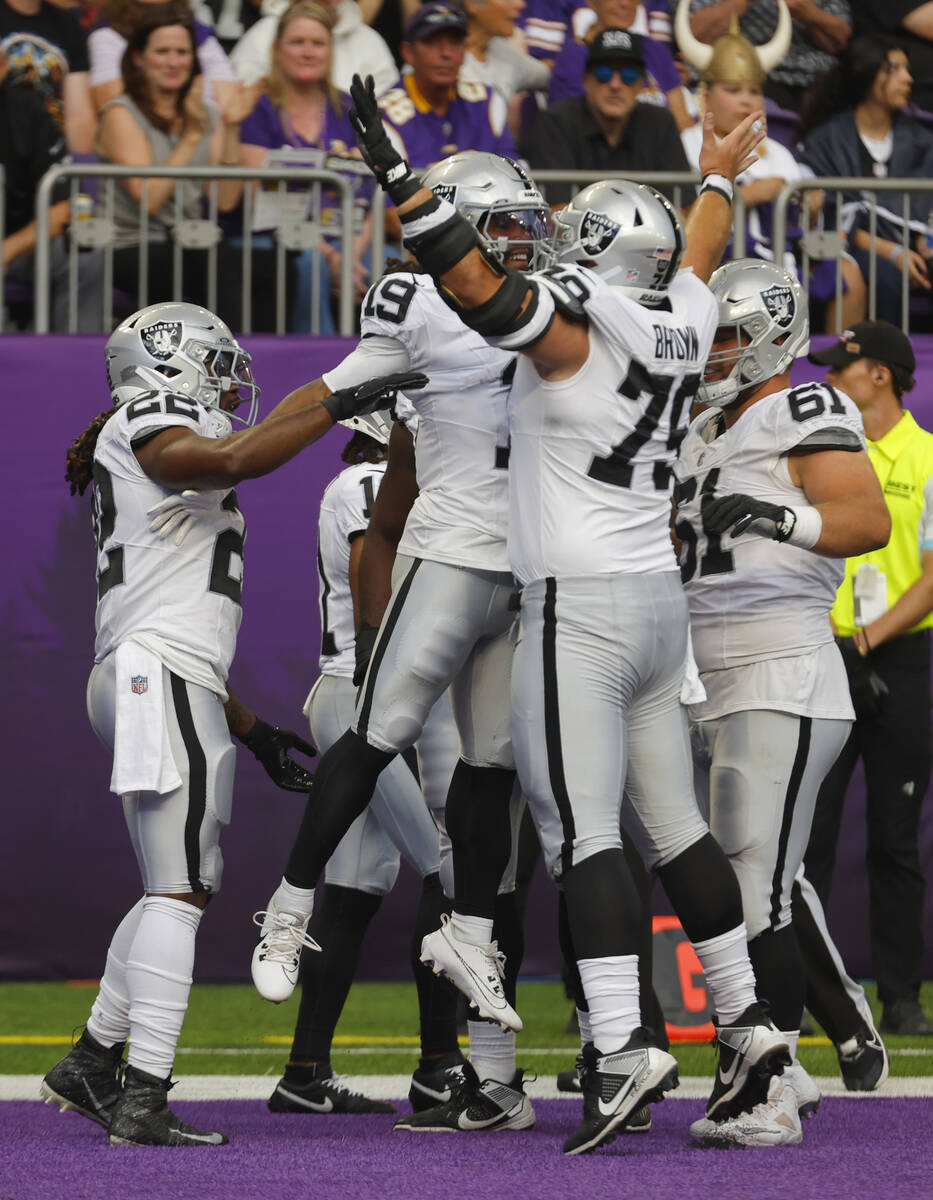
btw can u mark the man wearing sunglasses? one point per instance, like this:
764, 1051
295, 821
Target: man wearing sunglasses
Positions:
606, 129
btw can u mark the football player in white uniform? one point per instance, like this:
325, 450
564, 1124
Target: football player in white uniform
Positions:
164, 460
398, 822
774, 490
449, 620
609, 362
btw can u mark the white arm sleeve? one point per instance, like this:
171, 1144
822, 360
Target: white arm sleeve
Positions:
374, 356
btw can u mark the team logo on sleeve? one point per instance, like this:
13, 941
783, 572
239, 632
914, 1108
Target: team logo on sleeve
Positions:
162, 339
597, 232
446, 191
779, 301
139, 684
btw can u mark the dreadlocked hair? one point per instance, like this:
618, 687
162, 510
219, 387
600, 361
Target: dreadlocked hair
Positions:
79, 462
361, 448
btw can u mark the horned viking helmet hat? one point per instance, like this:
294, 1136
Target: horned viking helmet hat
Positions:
732, 58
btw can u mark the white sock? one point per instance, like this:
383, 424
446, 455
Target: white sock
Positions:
288, 898
729, 974
793, 1037
492, 1051
611, 989
109, 1021
475, 930
158, 980
586, 1030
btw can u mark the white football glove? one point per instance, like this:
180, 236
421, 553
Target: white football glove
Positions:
181, 511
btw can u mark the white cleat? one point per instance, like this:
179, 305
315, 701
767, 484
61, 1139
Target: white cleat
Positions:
774, 1122
809, 1096
476, 970
278, 952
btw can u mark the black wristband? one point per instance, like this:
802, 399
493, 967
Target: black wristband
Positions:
259, 733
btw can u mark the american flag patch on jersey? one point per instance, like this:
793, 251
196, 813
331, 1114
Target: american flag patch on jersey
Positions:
139, 684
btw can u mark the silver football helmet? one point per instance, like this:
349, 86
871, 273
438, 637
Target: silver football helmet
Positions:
377, 425
497, 196
183, 348
628, 233
767, 308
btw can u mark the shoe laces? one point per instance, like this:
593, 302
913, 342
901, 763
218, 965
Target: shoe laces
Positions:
285, 935
339, 1084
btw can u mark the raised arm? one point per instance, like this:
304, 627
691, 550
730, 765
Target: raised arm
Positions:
503, 305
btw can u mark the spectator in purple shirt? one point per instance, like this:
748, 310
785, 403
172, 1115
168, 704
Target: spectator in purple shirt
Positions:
431, 113
302, 110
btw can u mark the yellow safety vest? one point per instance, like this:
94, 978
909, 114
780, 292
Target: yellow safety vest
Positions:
903, 462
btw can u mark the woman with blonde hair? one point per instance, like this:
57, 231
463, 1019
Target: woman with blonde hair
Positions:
302, 113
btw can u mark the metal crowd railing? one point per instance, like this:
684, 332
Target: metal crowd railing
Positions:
205, 234
831, 244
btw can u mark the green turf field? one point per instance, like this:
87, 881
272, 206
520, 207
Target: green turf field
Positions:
229, 1030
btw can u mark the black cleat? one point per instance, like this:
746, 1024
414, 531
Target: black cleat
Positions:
86, 1080
863, 1061
569, 1081
430, 1086
318, 1090
751, 1050
474, 1106
617, 1086
905, 1018
143, 1118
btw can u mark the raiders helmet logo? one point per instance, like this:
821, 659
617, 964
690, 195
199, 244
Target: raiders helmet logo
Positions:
597, 232
162, 339
779, 301
446, 191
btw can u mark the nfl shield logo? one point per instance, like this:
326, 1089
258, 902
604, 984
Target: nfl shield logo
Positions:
597, 232
139, 684
162, 339
779, 301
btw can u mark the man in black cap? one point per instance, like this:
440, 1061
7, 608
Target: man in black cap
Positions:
882, 618
606, 129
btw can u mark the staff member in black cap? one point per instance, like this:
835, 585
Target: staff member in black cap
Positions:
882, 617
606, 129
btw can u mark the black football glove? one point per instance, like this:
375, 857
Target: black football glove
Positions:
374, 393
271, 746
737, 514
385, 162
365, 641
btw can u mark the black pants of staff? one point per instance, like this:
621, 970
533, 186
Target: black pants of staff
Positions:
892, 735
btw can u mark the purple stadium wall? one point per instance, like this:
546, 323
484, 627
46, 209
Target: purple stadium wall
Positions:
66, 870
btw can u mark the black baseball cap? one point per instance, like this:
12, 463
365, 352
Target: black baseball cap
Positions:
879, 340
613, 46
430, 18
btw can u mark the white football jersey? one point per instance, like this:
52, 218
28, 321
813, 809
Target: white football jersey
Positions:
182, 602
345, 510
591, 456
461, 445
752, 598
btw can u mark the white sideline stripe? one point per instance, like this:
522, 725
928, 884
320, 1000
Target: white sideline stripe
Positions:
395, 1087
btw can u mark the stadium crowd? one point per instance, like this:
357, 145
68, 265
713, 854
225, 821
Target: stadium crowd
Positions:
151, 82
